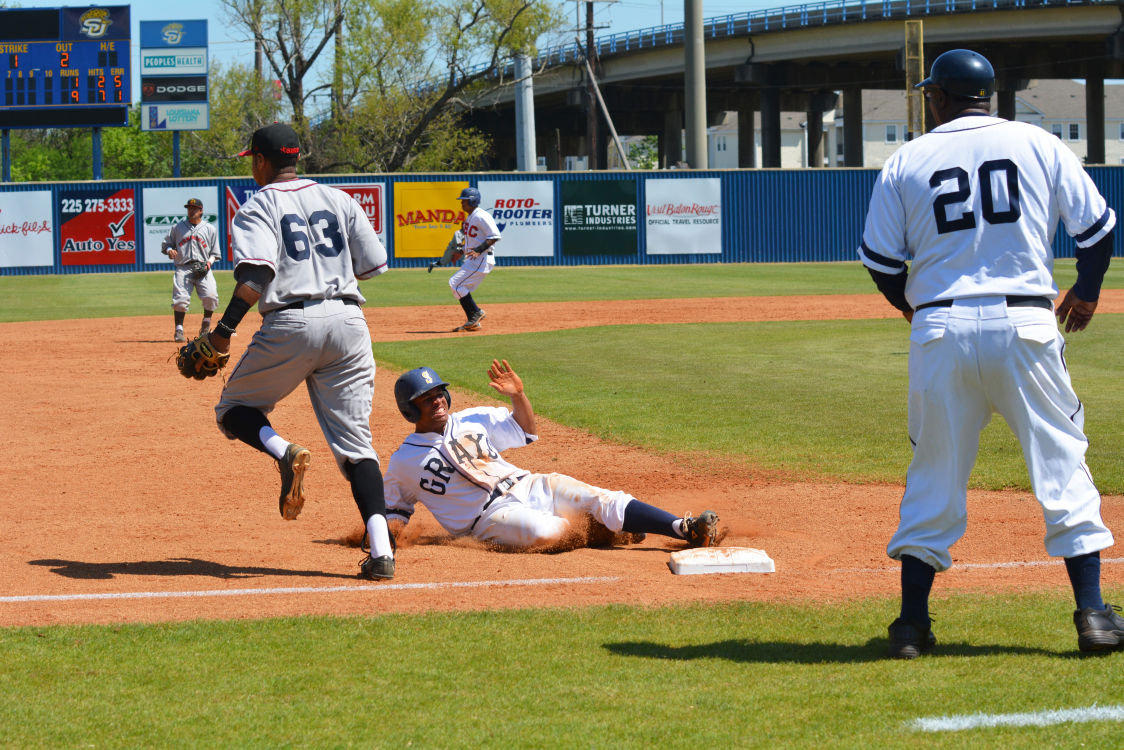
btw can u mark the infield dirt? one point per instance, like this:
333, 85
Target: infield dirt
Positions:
116, 481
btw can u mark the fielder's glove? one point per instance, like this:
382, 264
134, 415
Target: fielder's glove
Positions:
199, 359
198, 270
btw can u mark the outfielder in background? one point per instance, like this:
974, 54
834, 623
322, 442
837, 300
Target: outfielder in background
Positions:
480, 234
452, 464
298, 249
973, 206
193, 245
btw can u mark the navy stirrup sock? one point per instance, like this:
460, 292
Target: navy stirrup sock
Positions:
641, 518
1085, 577
917, 582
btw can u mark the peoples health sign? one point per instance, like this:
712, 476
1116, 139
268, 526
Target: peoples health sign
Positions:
174, 57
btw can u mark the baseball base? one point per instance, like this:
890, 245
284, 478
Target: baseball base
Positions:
720, 560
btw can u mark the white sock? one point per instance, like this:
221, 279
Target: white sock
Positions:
179, 326
274, 444
379, 536
677, 527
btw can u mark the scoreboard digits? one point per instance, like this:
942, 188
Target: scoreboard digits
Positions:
68, 67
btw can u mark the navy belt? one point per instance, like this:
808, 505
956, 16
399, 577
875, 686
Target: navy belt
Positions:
503, 486
299, 304
1013, 300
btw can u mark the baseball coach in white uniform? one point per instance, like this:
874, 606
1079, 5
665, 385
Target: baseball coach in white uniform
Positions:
972, 207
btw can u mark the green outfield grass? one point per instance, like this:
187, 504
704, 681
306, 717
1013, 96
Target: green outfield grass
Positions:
817, 399
742, 675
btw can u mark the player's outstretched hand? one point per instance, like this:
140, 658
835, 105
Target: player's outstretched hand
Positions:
504, 379
1075, 312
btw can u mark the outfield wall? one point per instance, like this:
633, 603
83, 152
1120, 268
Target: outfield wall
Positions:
547, 218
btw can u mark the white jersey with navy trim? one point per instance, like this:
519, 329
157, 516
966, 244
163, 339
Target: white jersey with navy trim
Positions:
454, 474
193, 242
1006, 183
317, 240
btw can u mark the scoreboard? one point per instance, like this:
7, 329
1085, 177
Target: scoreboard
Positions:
65, 67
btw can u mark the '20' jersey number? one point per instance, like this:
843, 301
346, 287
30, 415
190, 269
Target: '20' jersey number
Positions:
320, 234
1008, 184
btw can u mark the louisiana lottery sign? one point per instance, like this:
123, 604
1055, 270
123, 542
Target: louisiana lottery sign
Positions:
599, 217
163, 209
370, 196
27, 236
425, 216
524, 213
97, 227
683, 216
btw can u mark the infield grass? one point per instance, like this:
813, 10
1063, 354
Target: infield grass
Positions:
810, 399
741, 675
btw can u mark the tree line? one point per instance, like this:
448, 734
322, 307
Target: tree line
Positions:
398, 75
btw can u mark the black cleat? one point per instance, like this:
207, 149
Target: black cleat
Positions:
908, 641
1099, 629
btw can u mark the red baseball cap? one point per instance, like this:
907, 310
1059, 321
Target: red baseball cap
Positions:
276, 139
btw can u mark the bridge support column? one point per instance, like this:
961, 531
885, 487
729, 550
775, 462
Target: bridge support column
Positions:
770, 127
814, 134
671, 139
747, 146
1005, 103
852, 127
1094, 118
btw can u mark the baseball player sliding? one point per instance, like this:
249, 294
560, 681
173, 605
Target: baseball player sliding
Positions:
973, 206
298, 249
193, 245
474, 243
453, 464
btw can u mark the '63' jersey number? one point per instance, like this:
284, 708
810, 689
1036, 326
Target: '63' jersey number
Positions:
999, 184
321, 234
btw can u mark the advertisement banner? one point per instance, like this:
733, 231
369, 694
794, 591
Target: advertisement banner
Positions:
372, 197
683, 216
173, 33
174, 89
524, 212
98, 227
599, 218
425, 216
27, 236
232, 201
187, 116
174, 62
163, 209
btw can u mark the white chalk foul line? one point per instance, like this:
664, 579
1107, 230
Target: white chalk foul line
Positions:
304, 590
1035, 719
978, 566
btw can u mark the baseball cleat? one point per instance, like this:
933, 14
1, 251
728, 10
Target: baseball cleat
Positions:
377, 568
701, 531
293, 466
1099, 629
179, 337
908, 641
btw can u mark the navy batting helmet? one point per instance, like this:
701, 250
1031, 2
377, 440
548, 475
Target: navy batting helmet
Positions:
414, 383
962, 72
470, 194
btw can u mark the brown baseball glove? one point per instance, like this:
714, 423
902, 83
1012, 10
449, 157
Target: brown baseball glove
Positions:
199, 359
198, 270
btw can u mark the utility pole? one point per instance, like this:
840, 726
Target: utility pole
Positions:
591, 139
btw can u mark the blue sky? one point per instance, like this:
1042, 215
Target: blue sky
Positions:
229, 46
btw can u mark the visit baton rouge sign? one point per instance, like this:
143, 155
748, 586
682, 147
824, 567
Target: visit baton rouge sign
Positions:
683, 215
98, 227
425, 216
174, 75
599, 218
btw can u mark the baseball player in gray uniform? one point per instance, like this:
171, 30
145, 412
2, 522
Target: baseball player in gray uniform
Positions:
480, 235
298, 249
193, 245
972, 206
452, 464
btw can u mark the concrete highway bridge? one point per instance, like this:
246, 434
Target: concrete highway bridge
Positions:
808, 58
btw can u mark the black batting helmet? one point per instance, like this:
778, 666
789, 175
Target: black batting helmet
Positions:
962, 72
414, 383
470, 194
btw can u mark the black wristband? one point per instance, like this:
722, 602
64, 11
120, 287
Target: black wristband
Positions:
224, 330
235, 311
